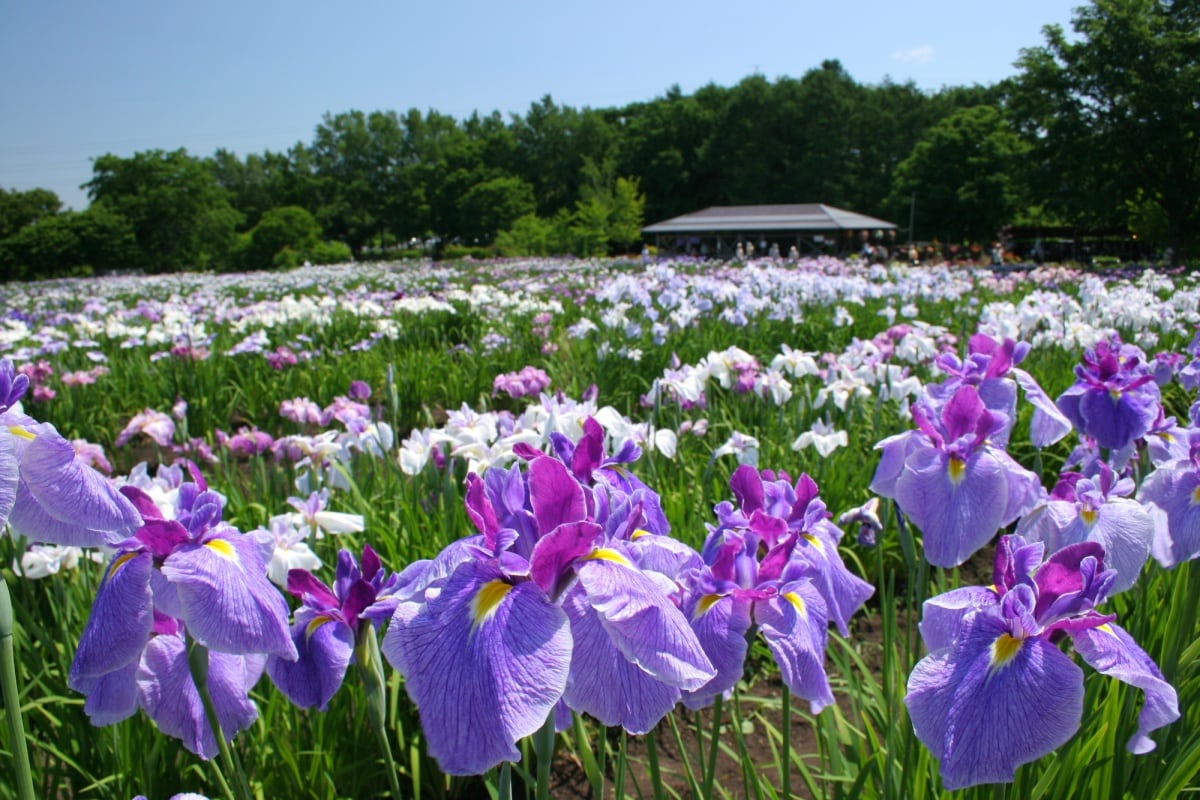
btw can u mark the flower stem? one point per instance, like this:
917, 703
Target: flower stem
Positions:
543, 746
786, 767
12, 697
370, 670
197, 655
714, 746
652, 758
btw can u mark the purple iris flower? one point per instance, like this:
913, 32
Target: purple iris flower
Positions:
549, 602
47, 493
995, 691
952, 481
1173, 493
991, 367
772, 564
1115, 399
1189, 374
193, 575
1095, 509
326, 626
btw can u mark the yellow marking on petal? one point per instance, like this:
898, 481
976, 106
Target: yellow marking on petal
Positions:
1089, 516
1196, 496
316, 623
957, 469
815, 542
1004, 649
639, 533
706, 602
222, 548
798, 602
485, 601
608, 554
119, 562
17, 430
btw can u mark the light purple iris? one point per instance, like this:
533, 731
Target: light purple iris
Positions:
1095, 509
952, 481
1173, 492
193, 575
995, 691
326, 626
772, 564
557, 599
47, 493
991, 367
1115, 399
1189, 374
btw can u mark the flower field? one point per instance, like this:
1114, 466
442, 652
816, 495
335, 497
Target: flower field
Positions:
676, 528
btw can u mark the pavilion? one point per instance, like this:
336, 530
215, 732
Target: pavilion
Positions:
811, 228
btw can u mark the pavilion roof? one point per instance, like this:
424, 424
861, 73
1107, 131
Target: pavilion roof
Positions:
766, 218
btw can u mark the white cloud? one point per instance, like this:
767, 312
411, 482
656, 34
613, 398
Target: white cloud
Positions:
922, 54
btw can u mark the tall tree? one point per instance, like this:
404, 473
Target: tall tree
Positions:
20, 208
552, 142
181, 218
356, 159
1113, 113
963, 171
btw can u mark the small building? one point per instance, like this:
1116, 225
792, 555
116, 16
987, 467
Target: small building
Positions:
812, 228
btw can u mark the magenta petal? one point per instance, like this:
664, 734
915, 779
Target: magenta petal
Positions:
554, 553
556, 497
747, 487
311, 590
962, 412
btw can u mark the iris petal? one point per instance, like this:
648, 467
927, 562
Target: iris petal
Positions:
228, 603
982, 718
480, 688
606, 684
1109, 649
644, 624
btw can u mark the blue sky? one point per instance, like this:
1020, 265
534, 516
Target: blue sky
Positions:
81, 79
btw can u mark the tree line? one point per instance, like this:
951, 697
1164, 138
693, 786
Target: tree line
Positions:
1097, 130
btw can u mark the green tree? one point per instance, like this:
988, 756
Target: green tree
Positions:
356, 160
46, 248
20, 208
552, 142
181, 218
529, 235
287, 228
963, 172
493, 205
105, 239
660, 142
1113, 114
